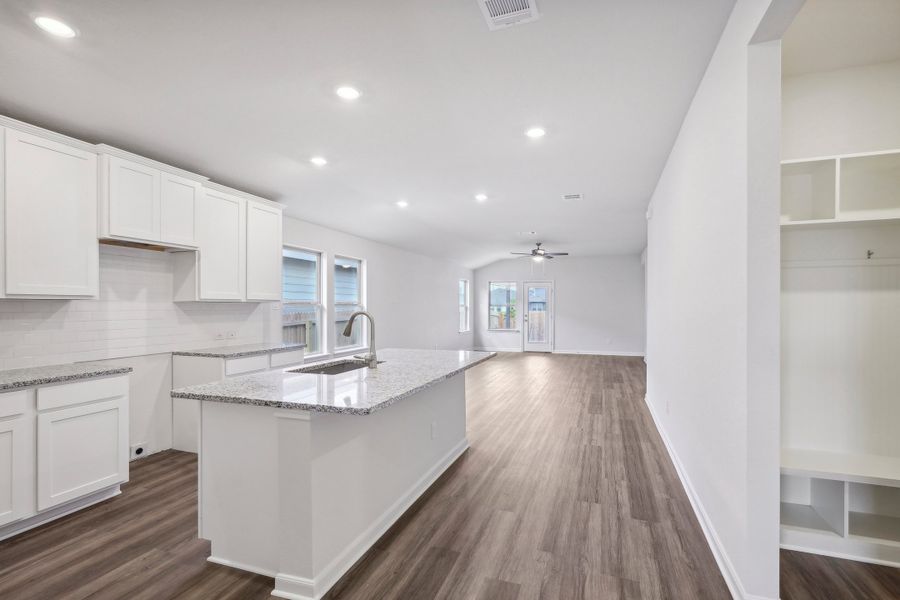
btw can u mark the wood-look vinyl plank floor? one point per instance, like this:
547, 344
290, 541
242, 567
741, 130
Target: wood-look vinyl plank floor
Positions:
566, 492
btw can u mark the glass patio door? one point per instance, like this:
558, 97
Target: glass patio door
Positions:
538, 329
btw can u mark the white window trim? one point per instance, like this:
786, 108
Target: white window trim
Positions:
363, 277
516, 285
468, 305
323, 309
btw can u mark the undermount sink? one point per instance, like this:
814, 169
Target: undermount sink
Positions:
335, 368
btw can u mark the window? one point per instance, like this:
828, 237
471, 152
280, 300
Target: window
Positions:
502, 302
348, 298
463, 305
301, 312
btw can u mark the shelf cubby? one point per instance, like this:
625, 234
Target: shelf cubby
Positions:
870, 186
808, 191
841, 505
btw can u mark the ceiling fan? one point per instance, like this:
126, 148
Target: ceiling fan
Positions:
538, 254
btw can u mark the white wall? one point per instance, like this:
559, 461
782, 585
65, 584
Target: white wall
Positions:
842, 111
412, 297
712, 344
599, 303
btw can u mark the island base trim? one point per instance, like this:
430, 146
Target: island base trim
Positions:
242, 566
293, 587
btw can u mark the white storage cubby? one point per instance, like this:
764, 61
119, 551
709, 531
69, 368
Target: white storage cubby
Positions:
841, 189
870, 187
808, 191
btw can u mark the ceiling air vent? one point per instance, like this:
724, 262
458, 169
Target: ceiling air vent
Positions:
572, 197
503, 13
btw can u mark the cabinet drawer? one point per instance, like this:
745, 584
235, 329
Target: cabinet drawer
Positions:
283, 359
13, 403
236, 366
70, 394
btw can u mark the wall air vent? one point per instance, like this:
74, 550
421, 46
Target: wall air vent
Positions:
503, 13
572, 197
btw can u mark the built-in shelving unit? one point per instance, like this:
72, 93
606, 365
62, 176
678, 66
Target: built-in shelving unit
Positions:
841, 505
841, 189
840, 345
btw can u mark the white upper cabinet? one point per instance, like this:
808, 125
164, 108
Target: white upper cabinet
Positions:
223, 246
133, 199
179, 205
49, 218
142, 203
239, 257
263, 252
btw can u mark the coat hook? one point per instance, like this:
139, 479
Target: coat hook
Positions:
869, 253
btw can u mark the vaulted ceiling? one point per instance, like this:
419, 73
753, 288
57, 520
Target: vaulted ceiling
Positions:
243, 92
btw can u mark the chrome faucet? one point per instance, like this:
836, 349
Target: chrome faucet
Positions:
370, 358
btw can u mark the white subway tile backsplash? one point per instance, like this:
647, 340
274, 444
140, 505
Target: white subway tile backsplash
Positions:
134, 316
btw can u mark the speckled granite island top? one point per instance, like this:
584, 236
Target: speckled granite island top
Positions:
241, 350
32, 376
402, 374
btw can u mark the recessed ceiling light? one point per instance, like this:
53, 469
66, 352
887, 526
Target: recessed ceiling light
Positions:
535, 132
347, 93
319, 161
481, 197
402, 203
54, 27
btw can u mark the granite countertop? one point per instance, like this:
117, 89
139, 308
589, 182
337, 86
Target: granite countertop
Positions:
240, 350
403, 373
31, 376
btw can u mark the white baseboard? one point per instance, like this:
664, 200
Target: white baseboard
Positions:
300, 588
56, 512
498, 349
599, 352
729, 573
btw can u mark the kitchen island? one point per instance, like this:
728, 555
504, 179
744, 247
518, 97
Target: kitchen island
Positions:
301, 473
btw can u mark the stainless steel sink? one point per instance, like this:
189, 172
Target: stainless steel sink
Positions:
335, 368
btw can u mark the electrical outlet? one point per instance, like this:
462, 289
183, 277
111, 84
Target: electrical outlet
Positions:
138, 450
231, 335
434, 431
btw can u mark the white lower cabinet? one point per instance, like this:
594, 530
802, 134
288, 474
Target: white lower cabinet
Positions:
60, 444
16, 458
80, 450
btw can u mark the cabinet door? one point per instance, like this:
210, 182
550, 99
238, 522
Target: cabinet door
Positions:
16, 469
80, 450
179, 205
134, 200
263, 252
222, 240
50, 218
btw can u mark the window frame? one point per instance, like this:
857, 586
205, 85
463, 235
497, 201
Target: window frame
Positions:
515, 286
467, 305
319, 305
361, 278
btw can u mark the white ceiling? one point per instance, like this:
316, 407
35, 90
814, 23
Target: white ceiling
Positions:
243, 92
836, 34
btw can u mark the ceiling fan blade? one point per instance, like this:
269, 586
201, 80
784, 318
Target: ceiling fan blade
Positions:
548, 256
556, 254
522, 253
